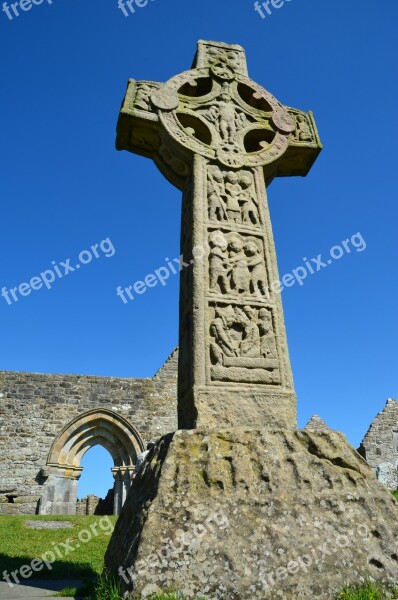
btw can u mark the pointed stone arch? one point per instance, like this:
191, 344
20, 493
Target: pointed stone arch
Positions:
96, 427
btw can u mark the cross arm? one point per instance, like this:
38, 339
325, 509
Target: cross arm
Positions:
139, 130
138, 124
304, 146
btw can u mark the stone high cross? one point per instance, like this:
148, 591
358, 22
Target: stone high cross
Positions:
221, 139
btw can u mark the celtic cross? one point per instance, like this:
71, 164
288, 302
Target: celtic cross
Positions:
222, 138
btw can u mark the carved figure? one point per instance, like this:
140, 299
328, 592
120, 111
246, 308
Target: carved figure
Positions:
303, 130
223, 343
267, 340
256, 263
218, 262
216, 191
250, 344
240, 274
234, 192
225, 116
142, 97
249, 206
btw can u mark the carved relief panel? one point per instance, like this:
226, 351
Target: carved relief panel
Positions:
237, 264
242, 344
232, 197
223, 62
304, 131
140, 95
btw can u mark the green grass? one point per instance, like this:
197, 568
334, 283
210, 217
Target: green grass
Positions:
84, 591
69, 592
395, 494
172, 596
368, 591
19, 545
107, 588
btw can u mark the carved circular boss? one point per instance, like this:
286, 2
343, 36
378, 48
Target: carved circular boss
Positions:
234, 121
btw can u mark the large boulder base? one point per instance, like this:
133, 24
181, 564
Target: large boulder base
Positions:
241, 514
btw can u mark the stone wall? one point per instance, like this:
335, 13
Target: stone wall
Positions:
316, 424
34, 408
380, 445
88, 505
93, 505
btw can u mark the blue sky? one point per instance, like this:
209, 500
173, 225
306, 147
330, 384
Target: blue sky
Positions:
65, 188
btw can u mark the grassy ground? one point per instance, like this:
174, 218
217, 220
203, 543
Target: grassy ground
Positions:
108, 590
368, 591
78, 552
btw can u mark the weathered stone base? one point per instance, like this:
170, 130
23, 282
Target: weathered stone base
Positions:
249, 407
253, 515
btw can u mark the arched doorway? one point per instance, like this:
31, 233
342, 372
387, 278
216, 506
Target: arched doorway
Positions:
63, 467
95, 488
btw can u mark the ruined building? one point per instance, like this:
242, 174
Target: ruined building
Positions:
380, 445
48, 422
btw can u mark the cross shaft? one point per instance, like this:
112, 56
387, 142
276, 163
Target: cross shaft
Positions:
221, 138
